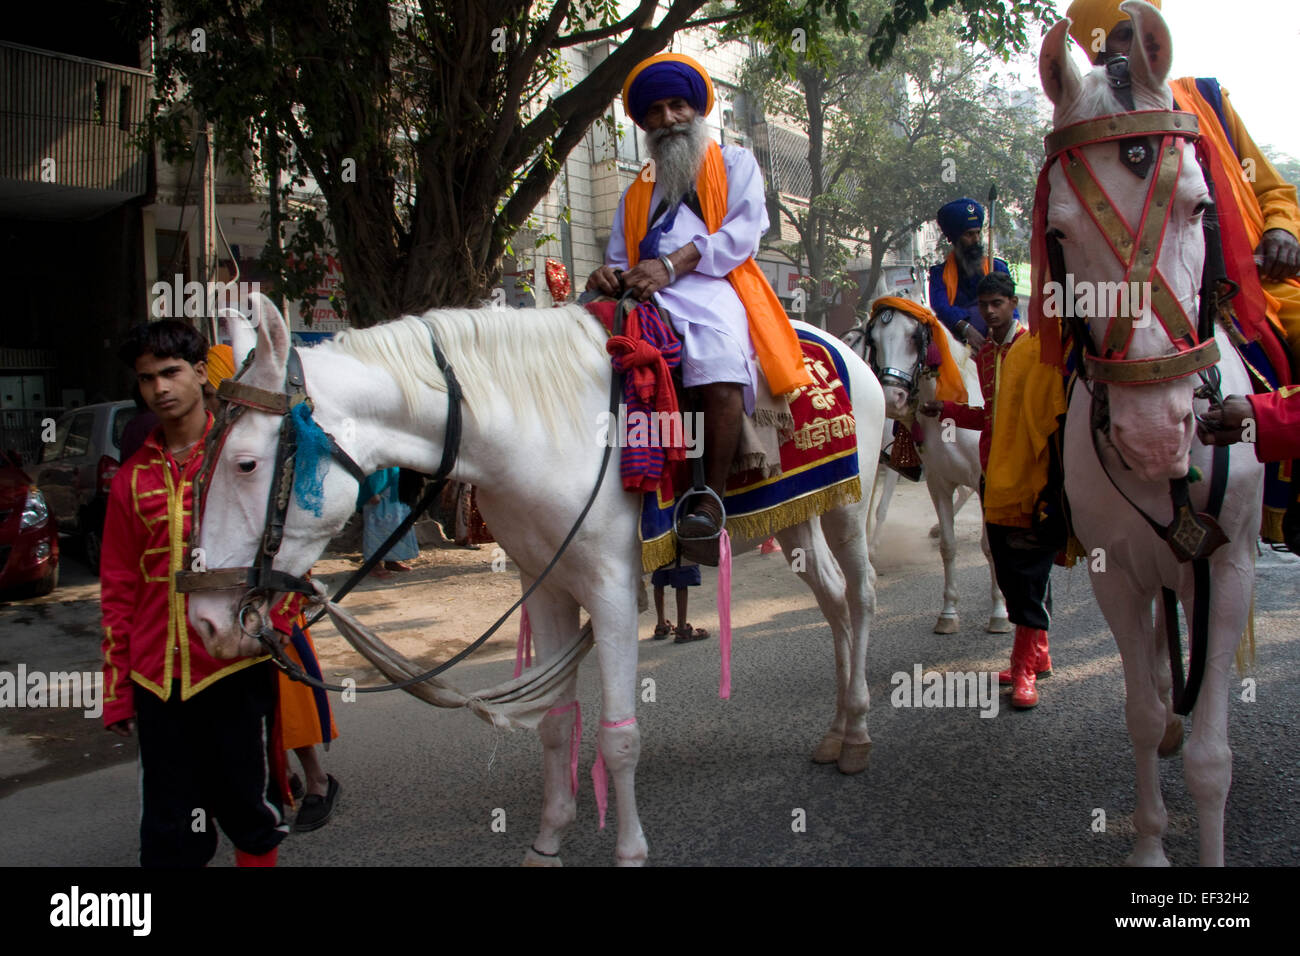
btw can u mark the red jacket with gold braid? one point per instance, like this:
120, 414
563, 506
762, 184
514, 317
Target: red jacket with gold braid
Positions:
981, 419
147, 639
1277, 424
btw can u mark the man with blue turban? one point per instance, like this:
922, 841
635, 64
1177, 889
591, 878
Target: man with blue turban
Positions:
953, 283
685, 234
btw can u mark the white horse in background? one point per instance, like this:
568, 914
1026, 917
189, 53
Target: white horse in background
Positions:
1150, 441
950, 455
537, 384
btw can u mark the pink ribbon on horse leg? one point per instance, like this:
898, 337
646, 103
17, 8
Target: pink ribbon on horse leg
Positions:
599, 775
575, 740
724, 612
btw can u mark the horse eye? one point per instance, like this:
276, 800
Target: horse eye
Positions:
1056, 234
247, 467
1202, 207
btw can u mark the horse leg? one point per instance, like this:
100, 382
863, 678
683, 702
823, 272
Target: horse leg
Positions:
1207, 761
888, 482
842, 530
1129, 615
964, 493
941, 494
999, 623
554, 620
619, 738
808, 555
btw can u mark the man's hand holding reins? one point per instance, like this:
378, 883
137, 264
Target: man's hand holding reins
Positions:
1279, 255
1223, 425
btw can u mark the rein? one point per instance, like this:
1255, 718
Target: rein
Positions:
262, 580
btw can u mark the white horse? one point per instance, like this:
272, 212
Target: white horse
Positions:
1150, 441
886, 480
536, 385
950, 455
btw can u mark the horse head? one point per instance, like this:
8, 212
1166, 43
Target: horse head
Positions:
236, 487
1126, 211
897, 348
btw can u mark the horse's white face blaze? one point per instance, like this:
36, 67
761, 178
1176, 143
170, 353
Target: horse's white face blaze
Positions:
234, 515
893, 336
1151, 425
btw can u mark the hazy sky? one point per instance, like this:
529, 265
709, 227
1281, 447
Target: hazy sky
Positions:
1252, 47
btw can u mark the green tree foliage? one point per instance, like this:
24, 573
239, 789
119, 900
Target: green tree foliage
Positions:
431, 129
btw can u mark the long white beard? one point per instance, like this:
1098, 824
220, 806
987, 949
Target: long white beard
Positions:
678, 153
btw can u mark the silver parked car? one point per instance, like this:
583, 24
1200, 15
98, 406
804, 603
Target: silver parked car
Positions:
77, 469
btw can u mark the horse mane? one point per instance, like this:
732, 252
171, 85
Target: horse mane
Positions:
536, 361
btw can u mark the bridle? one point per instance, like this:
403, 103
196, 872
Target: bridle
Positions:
294, 406
1149, 144
909, 379
261, 580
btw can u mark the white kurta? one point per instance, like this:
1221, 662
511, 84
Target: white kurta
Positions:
705, 310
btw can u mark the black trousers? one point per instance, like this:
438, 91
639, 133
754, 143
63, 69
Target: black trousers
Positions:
1024, 575
206, 761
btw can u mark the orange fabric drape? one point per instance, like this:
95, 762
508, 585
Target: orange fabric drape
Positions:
773, 336
950, 278
1252, 216
951, 387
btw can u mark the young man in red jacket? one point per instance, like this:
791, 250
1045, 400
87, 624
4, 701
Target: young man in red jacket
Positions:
1023, 569
206, 726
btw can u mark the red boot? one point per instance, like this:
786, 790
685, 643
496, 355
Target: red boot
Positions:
256, 859
1043, 667
1024, 655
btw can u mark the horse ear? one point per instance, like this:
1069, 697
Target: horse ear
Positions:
272, 340
1058, 72
1153, 51
239, 330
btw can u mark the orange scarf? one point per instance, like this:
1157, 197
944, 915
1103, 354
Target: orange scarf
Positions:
1252, 216
951, 387
774, 340
950, 277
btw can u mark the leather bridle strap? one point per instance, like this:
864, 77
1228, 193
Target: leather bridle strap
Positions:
1121, 126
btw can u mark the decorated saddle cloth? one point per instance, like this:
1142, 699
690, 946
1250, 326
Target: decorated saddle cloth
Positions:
818, 464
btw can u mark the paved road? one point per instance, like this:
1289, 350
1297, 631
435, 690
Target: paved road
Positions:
720, 781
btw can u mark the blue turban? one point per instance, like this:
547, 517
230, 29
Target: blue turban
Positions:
960, 215
663, 77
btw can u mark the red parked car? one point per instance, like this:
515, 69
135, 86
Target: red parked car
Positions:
29, 537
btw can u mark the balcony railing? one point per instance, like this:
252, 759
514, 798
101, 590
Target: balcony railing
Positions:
68, 121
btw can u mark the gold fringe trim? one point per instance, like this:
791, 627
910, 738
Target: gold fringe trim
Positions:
1270, 528
763, 524
655, 554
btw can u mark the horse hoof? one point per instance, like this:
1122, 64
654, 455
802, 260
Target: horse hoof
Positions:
947, 624
533, 858
999, 625
629, 861
1172, 742
828, 751
1148, 852
854, 757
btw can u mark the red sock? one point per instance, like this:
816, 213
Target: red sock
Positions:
256, 859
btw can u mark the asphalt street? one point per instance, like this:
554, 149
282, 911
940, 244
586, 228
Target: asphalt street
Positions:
728, 782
